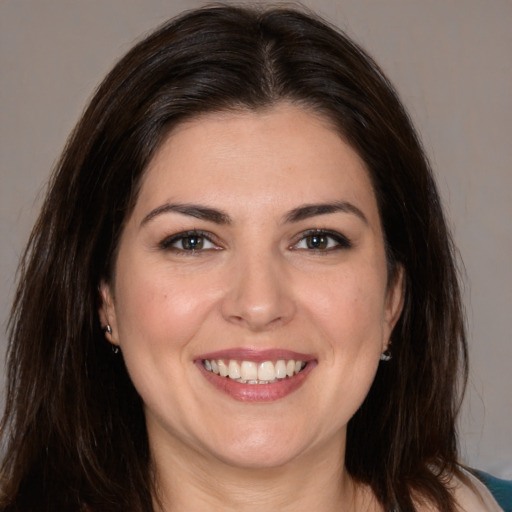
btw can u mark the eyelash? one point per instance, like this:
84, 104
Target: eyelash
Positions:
341, 241
167, 243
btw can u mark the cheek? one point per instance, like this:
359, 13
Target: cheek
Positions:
349, 308
156, 309
157, 318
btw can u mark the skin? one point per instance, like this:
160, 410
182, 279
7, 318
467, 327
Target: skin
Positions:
257, 285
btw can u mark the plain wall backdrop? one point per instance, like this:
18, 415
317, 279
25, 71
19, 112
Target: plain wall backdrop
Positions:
451, 61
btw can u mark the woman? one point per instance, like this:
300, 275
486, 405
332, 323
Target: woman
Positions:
241, 291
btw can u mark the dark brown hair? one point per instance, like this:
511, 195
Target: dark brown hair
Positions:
74, 427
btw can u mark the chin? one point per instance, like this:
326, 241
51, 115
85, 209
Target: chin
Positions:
260, 450
257, 459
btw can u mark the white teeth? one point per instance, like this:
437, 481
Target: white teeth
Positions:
234, 370
250, 372
223, 369
266, 371
280, 369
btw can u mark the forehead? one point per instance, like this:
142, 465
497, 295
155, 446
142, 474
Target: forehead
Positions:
278, 156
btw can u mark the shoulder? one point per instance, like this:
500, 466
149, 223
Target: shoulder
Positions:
500, 489
480, 492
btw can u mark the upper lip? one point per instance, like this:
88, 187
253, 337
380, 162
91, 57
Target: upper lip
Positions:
256, 355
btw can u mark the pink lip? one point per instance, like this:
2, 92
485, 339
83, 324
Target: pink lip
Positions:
248, 354
256, 392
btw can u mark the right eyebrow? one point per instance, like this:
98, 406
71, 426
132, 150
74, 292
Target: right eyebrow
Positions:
312, 210
192, 210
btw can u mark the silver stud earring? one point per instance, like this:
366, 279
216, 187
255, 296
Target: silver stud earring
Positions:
108, 330
386, 355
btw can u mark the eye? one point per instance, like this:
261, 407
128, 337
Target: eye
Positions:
189, 241
322, 240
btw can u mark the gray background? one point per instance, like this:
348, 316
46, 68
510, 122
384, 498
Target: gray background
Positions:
451, 62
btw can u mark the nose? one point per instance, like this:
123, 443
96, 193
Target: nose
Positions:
259, 297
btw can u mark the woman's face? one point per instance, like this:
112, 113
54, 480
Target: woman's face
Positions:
255, 249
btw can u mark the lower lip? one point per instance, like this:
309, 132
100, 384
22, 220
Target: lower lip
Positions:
257, 392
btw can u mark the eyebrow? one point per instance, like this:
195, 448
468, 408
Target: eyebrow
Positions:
219, 217
192, 210
312, 210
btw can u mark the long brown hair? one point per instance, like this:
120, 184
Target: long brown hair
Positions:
74, 426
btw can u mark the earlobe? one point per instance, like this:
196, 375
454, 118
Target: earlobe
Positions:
106, 311
394, 303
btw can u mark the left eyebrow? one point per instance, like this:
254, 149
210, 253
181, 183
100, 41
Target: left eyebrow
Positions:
312, 210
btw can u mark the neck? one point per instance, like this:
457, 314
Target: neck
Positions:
196, 482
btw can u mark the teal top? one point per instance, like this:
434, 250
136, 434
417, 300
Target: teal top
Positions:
500, 489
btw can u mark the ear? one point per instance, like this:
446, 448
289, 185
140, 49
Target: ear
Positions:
394, 305
107, 312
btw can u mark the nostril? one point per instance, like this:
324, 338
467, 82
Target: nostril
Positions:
257, 299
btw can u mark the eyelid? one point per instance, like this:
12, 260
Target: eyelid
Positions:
342, 241
168, 241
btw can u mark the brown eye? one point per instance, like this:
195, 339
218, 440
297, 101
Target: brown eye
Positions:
317, 242
192, 243
188, 242
323, 241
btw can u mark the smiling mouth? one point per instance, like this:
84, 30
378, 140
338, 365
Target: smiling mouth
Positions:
250, 372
